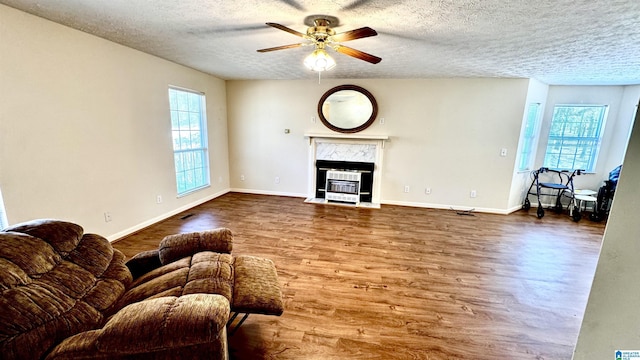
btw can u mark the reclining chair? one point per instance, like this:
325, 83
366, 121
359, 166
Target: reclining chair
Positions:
69, 295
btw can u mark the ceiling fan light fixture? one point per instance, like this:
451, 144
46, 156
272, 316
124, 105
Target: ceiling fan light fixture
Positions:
319, 60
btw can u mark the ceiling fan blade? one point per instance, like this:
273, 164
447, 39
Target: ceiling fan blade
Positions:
355, 4
354, 34
284, 28
294, 4
280, 47
380, 4
357, 54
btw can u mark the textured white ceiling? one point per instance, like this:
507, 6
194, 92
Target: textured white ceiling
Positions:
555, 41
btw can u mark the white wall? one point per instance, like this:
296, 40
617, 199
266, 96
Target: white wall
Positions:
446, 134
621, 132
612, 320
258, 114
85, 129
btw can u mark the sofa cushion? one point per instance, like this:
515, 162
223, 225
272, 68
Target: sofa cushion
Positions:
61, 235
92, 254
55, 282
204, 272
174, 247
34, 256
210, 273
12, 275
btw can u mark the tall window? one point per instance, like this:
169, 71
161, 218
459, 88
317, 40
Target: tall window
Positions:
575, 136
3, 214
529, 137
188, 128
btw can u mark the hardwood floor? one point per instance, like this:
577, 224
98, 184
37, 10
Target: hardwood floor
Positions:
404, 283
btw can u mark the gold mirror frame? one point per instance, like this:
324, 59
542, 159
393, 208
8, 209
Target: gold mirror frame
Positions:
345, 125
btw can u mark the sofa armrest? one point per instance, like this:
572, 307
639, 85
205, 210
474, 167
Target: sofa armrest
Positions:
143, 262
166, 322
175, 247
161, 326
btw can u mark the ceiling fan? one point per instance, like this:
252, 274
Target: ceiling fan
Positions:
321, 35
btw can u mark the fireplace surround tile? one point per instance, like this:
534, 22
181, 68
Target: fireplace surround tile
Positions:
346, 152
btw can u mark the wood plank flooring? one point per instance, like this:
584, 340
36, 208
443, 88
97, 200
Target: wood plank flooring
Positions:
404, 283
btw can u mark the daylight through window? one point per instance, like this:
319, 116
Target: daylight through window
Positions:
3, 215
189, 133
529, 137
575, 136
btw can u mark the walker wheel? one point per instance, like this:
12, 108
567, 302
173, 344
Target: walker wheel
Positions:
540, 213
527, 204
558, 207
576, 216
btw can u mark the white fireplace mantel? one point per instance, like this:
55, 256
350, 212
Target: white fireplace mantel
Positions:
311, 136
347, 147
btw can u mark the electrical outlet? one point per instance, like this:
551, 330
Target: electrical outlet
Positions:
473, 193
503, 152
241, 177
382, 121
427, 191
277, 179
107, 217
406, 188
313, 119
159, 199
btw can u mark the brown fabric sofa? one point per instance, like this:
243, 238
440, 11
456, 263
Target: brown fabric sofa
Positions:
70, 295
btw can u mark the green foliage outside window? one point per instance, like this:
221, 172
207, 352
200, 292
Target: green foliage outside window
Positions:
575, 136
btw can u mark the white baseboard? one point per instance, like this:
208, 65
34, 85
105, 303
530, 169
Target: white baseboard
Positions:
392, 202
164, 216
513, 209
449, 207
268, 192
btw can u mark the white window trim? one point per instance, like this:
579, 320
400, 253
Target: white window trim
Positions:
204, 141
535, 139
603, 125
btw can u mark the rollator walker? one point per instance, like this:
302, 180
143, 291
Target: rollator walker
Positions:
560, 185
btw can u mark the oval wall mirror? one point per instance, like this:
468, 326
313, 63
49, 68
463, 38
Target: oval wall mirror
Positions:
347, 109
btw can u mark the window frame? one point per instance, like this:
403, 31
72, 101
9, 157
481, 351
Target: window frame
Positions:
590, 143
3, 213
191, 163
526, 155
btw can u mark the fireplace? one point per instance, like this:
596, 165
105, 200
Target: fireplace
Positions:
344, 181
353, 153
343, 186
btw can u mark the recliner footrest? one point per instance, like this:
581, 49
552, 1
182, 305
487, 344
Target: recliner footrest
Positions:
256, 288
